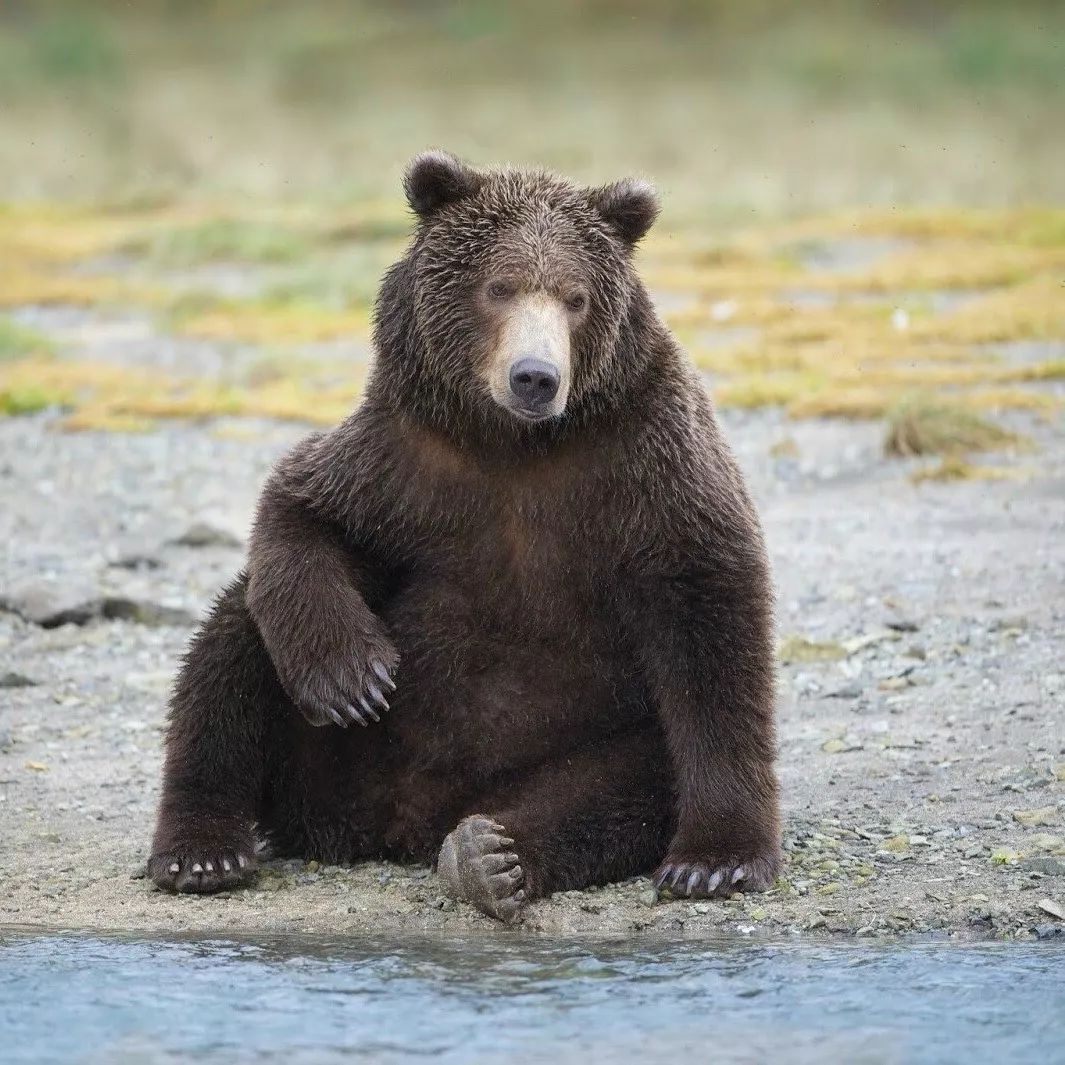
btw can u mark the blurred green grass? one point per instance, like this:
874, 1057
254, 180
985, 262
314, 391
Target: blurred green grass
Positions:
734, 108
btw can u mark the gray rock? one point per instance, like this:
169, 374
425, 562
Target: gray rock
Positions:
144, 612
1047, 866
202, 534
52, 603
10, 679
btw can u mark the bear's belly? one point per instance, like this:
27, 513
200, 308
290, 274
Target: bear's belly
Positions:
498, 678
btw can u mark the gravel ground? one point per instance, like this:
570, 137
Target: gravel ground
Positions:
922, 690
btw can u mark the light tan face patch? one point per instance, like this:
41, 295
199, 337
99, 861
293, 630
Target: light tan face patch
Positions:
536, 326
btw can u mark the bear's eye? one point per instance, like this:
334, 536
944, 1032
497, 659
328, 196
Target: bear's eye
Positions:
577, 301
500, 290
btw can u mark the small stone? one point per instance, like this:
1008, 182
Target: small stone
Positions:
798, 649
868, 639
841, 744
649, 897
1059, 771
137, 561
1055, 909
848, 691
895, 684
896, 844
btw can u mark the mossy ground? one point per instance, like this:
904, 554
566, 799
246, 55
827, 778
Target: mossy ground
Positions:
846, 315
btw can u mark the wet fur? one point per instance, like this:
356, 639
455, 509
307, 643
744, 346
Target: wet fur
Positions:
577, 613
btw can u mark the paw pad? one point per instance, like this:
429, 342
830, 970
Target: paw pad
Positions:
476, 864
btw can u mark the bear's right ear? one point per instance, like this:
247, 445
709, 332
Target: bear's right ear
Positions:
435, 179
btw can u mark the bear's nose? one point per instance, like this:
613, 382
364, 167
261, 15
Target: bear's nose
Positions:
534, 382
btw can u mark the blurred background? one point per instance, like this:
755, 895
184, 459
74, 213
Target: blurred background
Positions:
764, 106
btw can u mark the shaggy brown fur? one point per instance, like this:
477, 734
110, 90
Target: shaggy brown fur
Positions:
576, 611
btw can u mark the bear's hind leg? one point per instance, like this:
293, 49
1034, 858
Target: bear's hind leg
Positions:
215, 758
598, 815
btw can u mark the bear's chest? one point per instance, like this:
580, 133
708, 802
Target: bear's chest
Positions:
516, 566
512, 623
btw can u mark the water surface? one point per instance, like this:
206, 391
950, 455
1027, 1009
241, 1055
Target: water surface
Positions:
508, 999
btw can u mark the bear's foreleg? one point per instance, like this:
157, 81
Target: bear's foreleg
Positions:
215, 757
305, 592
708, 653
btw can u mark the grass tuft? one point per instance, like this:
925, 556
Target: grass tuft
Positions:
927, 426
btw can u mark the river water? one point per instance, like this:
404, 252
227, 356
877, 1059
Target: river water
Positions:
504, 998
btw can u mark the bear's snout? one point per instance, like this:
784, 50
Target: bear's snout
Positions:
528, 370
534, 383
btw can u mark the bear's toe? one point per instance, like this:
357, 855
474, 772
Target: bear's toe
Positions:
478, 868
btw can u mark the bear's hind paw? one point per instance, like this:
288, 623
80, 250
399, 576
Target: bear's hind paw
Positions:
477, 867
714, 879
201, 870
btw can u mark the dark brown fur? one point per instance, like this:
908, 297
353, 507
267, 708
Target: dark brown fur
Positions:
577, 612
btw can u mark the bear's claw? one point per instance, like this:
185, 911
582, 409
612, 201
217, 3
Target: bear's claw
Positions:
201, 869
329, 700
714, 879
477, 867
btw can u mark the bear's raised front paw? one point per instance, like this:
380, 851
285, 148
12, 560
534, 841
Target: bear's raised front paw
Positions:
477, 867
202, 868
717, 877
344, 689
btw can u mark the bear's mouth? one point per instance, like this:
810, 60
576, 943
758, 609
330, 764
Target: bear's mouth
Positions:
531, 417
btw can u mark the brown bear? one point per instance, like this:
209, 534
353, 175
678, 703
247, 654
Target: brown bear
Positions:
531, 541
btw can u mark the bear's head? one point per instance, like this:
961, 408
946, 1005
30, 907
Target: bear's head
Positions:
513, 304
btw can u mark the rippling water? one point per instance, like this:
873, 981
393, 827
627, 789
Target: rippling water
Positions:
506, 999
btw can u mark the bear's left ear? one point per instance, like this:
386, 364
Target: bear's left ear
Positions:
628, 207
435, 179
